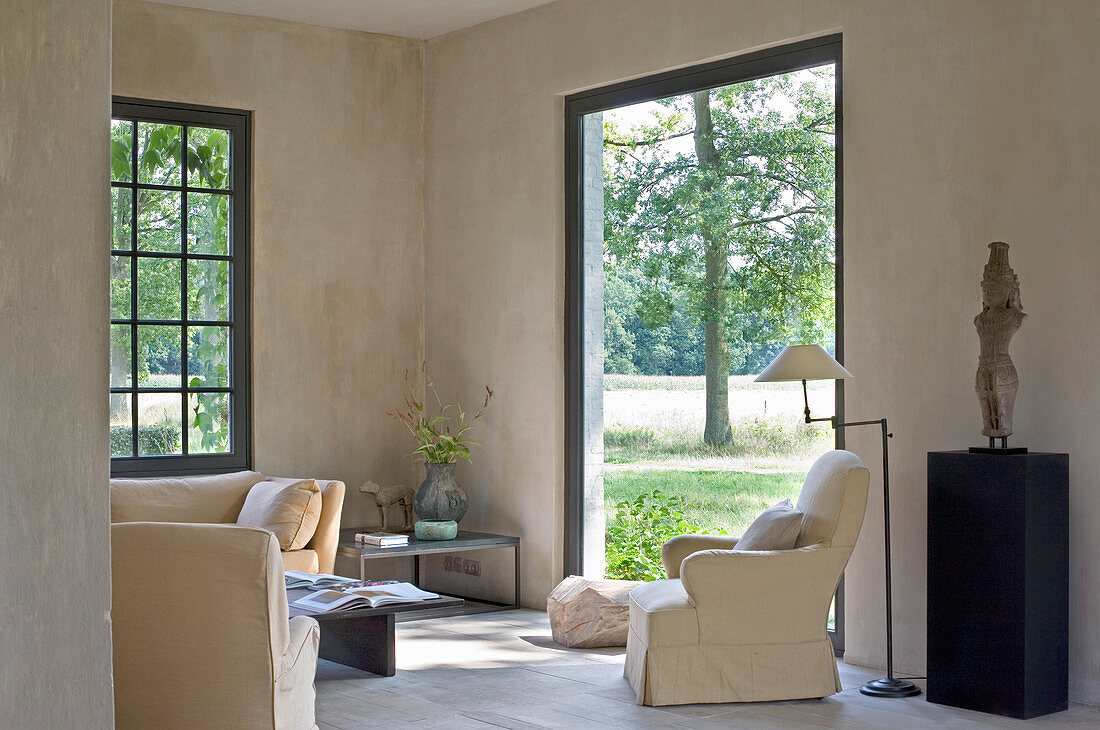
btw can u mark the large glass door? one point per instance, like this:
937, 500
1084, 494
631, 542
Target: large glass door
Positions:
703, 212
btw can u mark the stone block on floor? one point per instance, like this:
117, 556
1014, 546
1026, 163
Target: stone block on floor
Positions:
585, 613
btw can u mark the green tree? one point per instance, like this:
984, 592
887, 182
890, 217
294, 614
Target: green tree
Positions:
159, 228
740, 223
618, 345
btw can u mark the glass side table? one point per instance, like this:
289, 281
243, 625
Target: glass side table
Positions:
464, 542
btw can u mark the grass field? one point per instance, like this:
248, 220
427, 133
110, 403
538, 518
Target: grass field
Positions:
658, 420
758, 444
714, 499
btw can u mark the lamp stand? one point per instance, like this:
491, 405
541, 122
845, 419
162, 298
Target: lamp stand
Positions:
888, 686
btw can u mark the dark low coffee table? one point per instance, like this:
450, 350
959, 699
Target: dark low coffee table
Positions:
364, 638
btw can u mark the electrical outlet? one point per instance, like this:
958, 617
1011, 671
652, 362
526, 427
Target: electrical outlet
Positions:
471, 567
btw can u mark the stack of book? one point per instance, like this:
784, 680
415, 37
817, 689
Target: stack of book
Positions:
382, 539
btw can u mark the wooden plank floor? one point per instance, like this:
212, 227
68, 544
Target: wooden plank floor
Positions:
503, 670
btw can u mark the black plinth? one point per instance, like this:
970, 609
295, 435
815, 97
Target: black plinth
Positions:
998, 574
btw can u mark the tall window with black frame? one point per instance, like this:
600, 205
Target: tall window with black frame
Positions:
179, 289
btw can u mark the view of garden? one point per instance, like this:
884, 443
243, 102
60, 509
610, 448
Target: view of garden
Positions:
719, 250
170, 283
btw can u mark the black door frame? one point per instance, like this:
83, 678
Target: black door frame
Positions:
759, 64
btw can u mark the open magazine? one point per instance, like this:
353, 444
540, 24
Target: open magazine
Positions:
363, 597
299, 579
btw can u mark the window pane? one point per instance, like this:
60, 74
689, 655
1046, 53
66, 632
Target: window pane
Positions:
121, 376
121, 444
159, 153
208, 290
122, 142
120, 287
207, 158
208, 430
159, 356
159, 424
121, 200
208, 223
121, 425
159, 213
159, 284
208, 357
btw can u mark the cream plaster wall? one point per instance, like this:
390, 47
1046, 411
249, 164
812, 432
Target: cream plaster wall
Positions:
966, 122
55, 571
337, 166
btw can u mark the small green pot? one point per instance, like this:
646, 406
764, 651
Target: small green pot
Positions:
435, 529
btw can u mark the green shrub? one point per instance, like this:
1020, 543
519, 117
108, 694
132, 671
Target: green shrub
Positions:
163, 439
636, 530
630, 437
772, 436
757, 437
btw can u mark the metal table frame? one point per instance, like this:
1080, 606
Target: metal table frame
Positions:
463, 542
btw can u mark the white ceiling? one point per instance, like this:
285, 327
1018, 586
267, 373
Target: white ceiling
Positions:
408, 18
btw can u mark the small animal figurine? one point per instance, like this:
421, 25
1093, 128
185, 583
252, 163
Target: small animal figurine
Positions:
393, 496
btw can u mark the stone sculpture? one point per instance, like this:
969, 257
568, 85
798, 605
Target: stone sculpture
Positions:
1002, 314
586, 613
393, 496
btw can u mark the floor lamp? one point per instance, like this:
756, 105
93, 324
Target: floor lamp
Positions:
811, 362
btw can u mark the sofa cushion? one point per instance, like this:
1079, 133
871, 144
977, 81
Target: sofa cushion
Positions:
776, 528
205, 498
288, 508
303, 560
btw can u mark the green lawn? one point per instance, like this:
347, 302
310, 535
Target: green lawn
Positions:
728, 500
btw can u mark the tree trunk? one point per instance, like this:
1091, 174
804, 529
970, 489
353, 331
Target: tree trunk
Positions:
120, 402
716, 353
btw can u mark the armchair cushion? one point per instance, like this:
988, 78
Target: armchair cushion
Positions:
663, 610
776, 528
290, 509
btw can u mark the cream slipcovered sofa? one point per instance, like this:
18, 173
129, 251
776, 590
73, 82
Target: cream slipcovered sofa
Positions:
749, 626
218, 498
201, 632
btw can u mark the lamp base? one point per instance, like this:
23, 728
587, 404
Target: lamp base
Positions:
889, 687
1005, 451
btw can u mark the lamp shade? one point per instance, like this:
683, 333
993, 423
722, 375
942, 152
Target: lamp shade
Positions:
802, 362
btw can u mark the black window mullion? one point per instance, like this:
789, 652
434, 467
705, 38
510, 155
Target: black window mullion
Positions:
133, 289
183, 289
196, 322
165, 186
177, 255
202, 389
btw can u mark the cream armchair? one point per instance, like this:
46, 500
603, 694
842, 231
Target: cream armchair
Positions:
201, 632
749, 626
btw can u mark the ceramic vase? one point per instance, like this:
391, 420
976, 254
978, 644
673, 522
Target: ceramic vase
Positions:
439, 496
